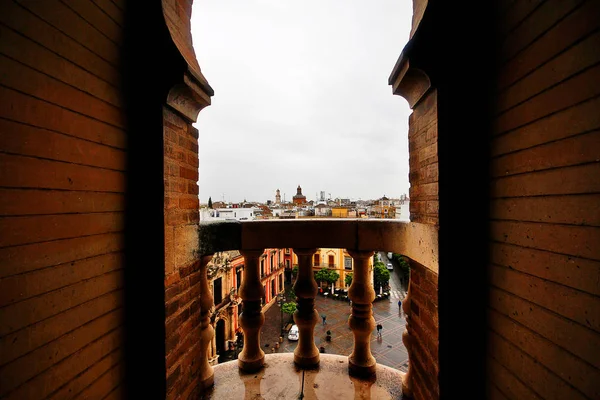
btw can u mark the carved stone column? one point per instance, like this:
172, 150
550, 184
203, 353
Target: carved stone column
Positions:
408, 341
361, 361
252, 358
306, 317
206, 371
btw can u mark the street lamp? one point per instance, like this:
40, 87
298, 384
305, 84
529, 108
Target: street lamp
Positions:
280, 300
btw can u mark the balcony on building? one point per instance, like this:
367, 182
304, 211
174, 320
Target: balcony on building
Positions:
307, 370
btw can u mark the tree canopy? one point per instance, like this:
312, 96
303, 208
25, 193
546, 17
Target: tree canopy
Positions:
210, 202
403, 263
327, 275
289, 308
348, 279
382, 275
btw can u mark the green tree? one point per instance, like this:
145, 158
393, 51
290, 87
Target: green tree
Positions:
376, 258
210, 202
332, 277
348, 279
403, 263
327, 275
381, 275
321, 275
291, 295
289, 308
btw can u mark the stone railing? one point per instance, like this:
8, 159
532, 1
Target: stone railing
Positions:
360, 237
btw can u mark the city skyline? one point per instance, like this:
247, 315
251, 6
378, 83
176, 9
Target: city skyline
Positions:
288, 198
301, 97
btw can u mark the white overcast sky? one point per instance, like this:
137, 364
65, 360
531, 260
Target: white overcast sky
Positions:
301, 98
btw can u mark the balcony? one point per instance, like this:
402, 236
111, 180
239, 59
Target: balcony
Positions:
307, 371
325, 265
282, 379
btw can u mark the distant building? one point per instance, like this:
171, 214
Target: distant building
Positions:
299, 198
239, 213
383, 209
322, 210
277, 197
339, 212
403, 211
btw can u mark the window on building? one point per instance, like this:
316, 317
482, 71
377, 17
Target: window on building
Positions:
316, 259
287, 251
287, 264
217, 289
331, 260
348, 262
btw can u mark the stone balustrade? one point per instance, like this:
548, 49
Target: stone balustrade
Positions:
360, 237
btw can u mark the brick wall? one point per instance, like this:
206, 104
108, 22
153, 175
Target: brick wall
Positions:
182, 287
181, 210
423, 327
62, 200
423, 161
544, 325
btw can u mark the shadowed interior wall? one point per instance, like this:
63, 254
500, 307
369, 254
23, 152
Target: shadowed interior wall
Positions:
62, 199
544, 318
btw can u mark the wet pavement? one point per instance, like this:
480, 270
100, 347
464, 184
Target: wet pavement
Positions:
387, 350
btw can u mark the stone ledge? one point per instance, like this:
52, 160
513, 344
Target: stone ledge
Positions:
281, 379
417, 241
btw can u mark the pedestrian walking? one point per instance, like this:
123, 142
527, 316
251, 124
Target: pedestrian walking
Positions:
379, 328
324, 319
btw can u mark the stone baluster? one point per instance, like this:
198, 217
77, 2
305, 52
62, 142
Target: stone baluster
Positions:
408, 341
306, 317
207, 374
361, 361
252, 358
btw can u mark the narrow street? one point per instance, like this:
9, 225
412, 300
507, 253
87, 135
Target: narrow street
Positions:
397, 284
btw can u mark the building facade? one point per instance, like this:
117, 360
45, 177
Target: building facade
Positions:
334, 259
271, 275
339, 212
224, 273
384, 208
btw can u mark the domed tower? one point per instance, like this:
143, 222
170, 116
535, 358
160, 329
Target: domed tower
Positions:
277, 197
299, 198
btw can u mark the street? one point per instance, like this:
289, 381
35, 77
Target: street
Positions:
389, 350
398, 285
